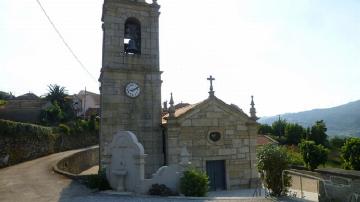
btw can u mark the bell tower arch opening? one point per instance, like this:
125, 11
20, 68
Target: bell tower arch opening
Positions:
132, 36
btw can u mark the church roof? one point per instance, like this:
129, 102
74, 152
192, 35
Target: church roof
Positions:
264, 140
179, 112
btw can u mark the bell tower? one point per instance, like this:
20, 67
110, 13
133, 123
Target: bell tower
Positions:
130, 77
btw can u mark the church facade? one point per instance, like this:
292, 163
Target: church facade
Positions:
220, 137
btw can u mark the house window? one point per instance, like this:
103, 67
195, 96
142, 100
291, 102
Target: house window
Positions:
132, 36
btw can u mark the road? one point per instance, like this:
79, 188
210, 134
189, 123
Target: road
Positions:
35, 181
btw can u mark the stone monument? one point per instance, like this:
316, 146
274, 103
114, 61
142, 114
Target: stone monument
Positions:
125, 171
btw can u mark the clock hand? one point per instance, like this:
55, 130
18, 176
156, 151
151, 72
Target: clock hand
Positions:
134, 89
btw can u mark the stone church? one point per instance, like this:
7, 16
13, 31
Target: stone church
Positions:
220, 138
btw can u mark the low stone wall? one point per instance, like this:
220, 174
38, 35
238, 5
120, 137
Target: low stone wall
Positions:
71, 166
21, 142
335, 184
339, 185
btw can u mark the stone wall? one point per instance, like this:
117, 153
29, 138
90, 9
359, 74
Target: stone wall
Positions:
74, 164
334, 184
339, 185
28, 141
237, 145
22, 110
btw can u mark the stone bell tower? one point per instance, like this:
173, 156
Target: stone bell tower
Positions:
130, 78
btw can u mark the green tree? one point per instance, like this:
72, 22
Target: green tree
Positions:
52, 114
59, 94
350, 152
294, 133
337, 142
272, 161
313, 155
56, 93
278, 127
318, 133
265, 129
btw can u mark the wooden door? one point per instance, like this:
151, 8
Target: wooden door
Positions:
216, 172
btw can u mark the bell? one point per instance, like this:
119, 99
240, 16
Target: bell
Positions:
131, 47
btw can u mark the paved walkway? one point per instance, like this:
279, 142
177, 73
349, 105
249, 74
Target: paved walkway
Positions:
35, 181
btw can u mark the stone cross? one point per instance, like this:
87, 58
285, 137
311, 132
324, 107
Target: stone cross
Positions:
211, 79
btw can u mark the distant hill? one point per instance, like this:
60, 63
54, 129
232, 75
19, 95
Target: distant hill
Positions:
341, 120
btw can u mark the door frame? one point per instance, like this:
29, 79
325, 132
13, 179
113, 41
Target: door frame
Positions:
226, 164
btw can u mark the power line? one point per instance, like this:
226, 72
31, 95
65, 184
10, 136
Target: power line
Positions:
64, 41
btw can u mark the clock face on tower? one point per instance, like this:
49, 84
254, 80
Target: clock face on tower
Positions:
132, 89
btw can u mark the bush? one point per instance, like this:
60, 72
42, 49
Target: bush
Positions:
52, 115
64, 129
272, 160
294, 155
93, 123
313, 154
11, 128
160, 190
97, 181
23, 141
194, 183
350, 152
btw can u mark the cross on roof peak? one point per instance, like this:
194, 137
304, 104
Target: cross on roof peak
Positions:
211, 79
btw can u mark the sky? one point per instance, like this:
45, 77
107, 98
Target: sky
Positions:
291, 55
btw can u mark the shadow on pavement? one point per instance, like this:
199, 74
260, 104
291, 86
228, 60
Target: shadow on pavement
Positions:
74, 190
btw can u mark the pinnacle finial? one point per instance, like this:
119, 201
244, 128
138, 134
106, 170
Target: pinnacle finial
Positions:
172, 107
252, 101
253, 110
211, 92
171, 99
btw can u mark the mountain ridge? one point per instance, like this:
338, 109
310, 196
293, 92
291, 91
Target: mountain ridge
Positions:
342, 120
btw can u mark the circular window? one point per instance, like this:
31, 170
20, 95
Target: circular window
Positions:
215, 136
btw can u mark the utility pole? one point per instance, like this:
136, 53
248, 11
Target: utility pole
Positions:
84, 104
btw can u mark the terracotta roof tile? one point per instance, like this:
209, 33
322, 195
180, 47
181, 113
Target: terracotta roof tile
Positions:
180, 111
264, 140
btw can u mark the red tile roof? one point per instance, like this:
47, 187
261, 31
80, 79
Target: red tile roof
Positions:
264, 140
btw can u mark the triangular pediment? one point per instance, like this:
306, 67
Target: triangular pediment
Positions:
214, 104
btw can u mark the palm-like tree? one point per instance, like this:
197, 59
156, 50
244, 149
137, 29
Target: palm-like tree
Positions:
56, 93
